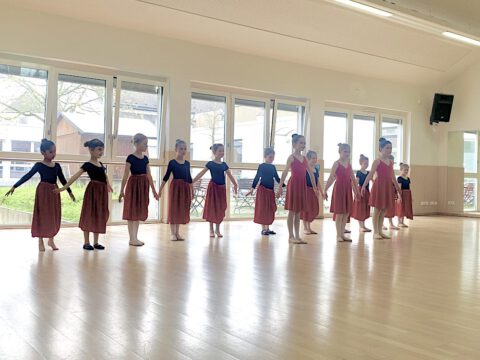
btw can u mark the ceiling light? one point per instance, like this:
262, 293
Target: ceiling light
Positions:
461, 38
365, 8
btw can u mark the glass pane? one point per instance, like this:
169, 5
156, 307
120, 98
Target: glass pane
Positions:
199, 193
23, 93
289, 120
81, 113
249, 131
470, 152
207, 121
326, 204
139, 113
470, 194
392, 131
241, 205
115, 173
335, 131
363, 138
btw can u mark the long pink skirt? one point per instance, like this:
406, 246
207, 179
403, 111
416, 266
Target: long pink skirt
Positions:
95, 213
215, 203
312, 207
135, 207
361, 208
296, 197
46, 211
265, 206
179, 202
404, 208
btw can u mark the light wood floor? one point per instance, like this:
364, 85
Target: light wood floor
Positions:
243, 297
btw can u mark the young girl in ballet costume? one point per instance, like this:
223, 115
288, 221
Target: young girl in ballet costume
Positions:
390, 213
137, 172
180, 192
216, 198
361, 208
342, 199
47, 208
404, 207
382, 195
95, 213
296, 198
312, 205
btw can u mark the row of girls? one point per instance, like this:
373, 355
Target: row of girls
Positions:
301, 200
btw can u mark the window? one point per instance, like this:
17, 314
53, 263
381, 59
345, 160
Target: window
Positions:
335, 131
21, 146
470, 150
19, 168
139, 111
23, 93
80, 112
289, 120
249, 130
208, 115
469, 194
392, 131
363, 138
237, 150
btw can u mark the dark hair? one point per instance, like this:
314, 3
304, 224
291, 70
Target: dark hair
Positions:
296, 138
310, 154
215, 147
363, 158
384, 142
94, 143
46, 145
179, 142
268, 151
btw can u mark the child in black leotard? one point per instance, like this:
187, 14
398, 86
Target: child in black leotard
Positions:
95, 213
47, 209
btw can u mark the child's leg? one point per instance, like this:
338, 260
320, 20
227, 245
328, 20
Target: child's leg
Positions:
41, 246
131, 230
134, 234
173, 232
212, 232
177, 232
51, 243
95, 238
296, 224
290, 225
363, 227
306, 227
344, 224
377, 224
86, 237
382, 218
392, 226
339, 226
136, 225
217, 231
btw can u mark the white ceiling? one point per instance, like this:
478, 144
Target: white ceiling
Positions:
311, 32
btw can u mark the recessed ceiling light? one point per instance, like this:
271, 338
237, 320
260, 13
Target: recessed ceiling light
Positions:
461, 38
365, 8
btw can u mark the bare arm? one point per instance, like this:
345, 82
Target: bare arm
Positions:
126, 174
284, 175
71, 181
199, 175
233, 180
150, 182
397, 185
370, 175
331, 178
312, 179
110, 189
354, 184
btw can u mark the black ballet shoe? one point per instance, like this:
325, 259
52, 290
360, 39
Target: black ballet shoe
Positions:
99, 247
271, 232
265, 232
87, 247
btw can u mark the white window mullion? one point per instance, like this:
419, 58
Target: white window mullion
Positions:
268, 124
108, 118
50, 131
274, 124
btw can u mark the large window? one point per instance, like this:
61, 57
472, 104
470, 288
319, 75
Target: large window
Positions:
470, 151
71, 108
392, 130
207, 121
470, 165
80, 112
363, 138
23, 93
289, 120
139, 111
335, 132
249, 131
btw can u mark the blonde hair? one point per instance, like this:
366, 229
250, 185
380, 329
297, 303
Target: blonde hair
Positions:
362, 158
268, 151
138, 138
311, 154
404, 166
179, 142
343, 146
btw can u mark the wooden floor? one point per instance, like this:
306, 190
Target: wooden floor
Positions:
243, 297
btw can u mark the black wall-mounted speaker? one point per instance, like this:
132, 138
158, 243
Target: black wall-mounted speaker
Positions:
442, 108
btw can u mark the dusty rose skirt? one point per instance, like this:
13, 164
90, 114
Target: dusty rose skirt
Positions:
94, 215
312, 207
404, 208
179, 202
135, 207
46, 211
265, 206
361, 208
296, 197
215, 203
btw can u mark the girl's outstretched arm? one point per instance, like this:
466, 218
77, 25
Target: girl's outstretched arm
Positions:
199, 175
70, 181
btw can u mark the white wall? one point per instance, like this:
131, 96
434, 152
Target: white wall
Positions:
42, 35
